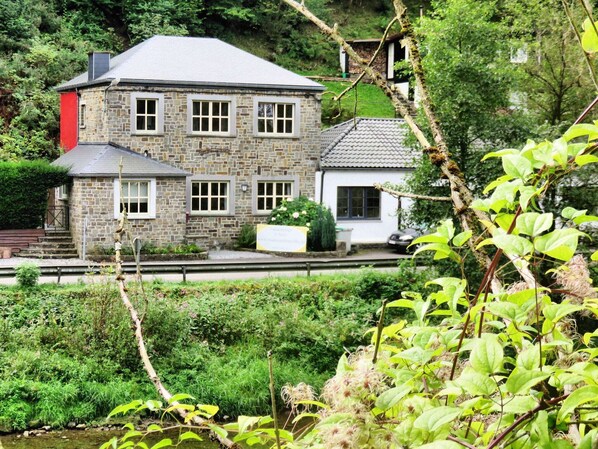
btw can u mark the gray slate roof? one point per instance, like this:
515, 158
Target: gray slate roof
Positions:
190, 61
367, 143
90, 160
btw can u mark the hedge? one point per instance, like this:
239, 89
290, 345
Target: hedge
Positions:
24, 192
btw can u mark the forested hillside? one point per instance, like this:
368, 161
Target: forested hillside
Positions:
466, 47
45, 42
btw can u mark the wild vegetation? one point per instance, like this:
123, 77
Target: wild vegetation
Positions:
67, 355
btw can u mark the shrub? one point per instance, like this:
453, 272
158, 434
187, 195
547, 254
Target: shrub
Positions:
302, 211
247, 237
24, 192
27, 274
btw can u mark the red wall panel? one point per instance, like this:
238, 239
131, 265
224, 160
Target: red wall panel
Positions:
69, 116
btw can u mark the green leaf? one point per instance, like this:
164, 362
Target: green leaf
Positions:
487, 354
529, 358
559, 244
513, 244
392, 397
446, 229
589, 440
594, 256
342, 365
500, 153
526, 193
578, 397
561, 152
584, 219
433, 419
180, 397
442, 250
519, 405
589, 39
187, 407
111, 443
131, 434
556, 312
584, 159
222, 433
162, 443
190, 436
404, 303
475, 383
430, 238
461, 238
507, 310
534, 224
210, 410
582, 129
520, 381
154, 428
246, 422
570, 213
516, 166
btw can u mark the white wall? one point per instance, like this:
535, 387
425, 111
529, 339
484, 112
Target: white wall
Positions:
364, 231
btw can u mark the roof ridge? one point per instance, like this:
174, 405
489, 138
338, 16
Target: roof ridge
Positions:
342, 135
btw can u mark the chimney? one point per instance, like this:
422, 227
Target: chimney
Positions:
99, 63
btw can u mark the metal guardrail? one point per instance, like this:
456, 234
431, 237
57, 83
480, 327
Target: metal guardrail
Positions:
227, 267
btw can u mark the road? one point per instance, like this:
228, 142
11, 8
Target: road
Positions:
225, 265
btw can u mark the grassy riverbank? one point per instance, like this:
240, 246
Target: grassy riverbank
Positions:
67, 354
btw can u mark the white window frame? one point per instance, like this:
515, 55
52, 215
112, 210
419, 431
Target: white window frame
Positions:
296, 120
232, 114
230, 180
159, 98
293, 180
82, 115
62, 192
151, 213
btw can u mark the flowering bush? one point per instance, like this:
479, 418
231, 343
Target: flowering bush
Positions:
303, 211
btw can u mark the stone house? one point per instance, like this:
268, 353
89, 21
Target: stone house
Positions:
209, 138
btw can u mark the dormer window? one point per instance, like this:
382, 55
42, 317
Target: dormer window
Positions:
276, 117
147, 113
211, 115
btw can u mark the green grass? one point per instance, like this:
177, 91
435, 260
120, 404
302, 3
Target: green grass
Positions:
371, 102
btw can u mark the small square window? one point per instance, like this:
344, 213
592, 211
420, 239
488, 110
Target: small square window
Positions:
210, 197
137, 197
271, 193
276, 117
210, 115
147, 112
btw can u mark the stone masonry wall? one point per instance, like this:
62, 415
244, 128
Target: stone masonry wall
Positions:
244, 157
93, 198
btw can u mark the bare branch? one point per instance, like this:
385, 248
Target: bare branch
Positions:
415, 196
376, 53
136, 322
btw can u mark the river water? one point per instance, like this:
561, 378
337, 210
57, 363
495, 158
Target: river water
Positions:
84, 439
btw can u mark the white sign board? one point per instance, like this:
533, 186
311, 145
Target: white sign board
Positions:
288, 239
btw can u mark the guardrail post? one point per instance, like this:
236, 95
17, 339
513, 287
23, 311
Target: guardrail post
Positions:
58, 274
308, 268
184, 268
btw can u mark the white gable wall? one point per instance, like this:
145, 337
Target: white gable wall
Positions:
364, 231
